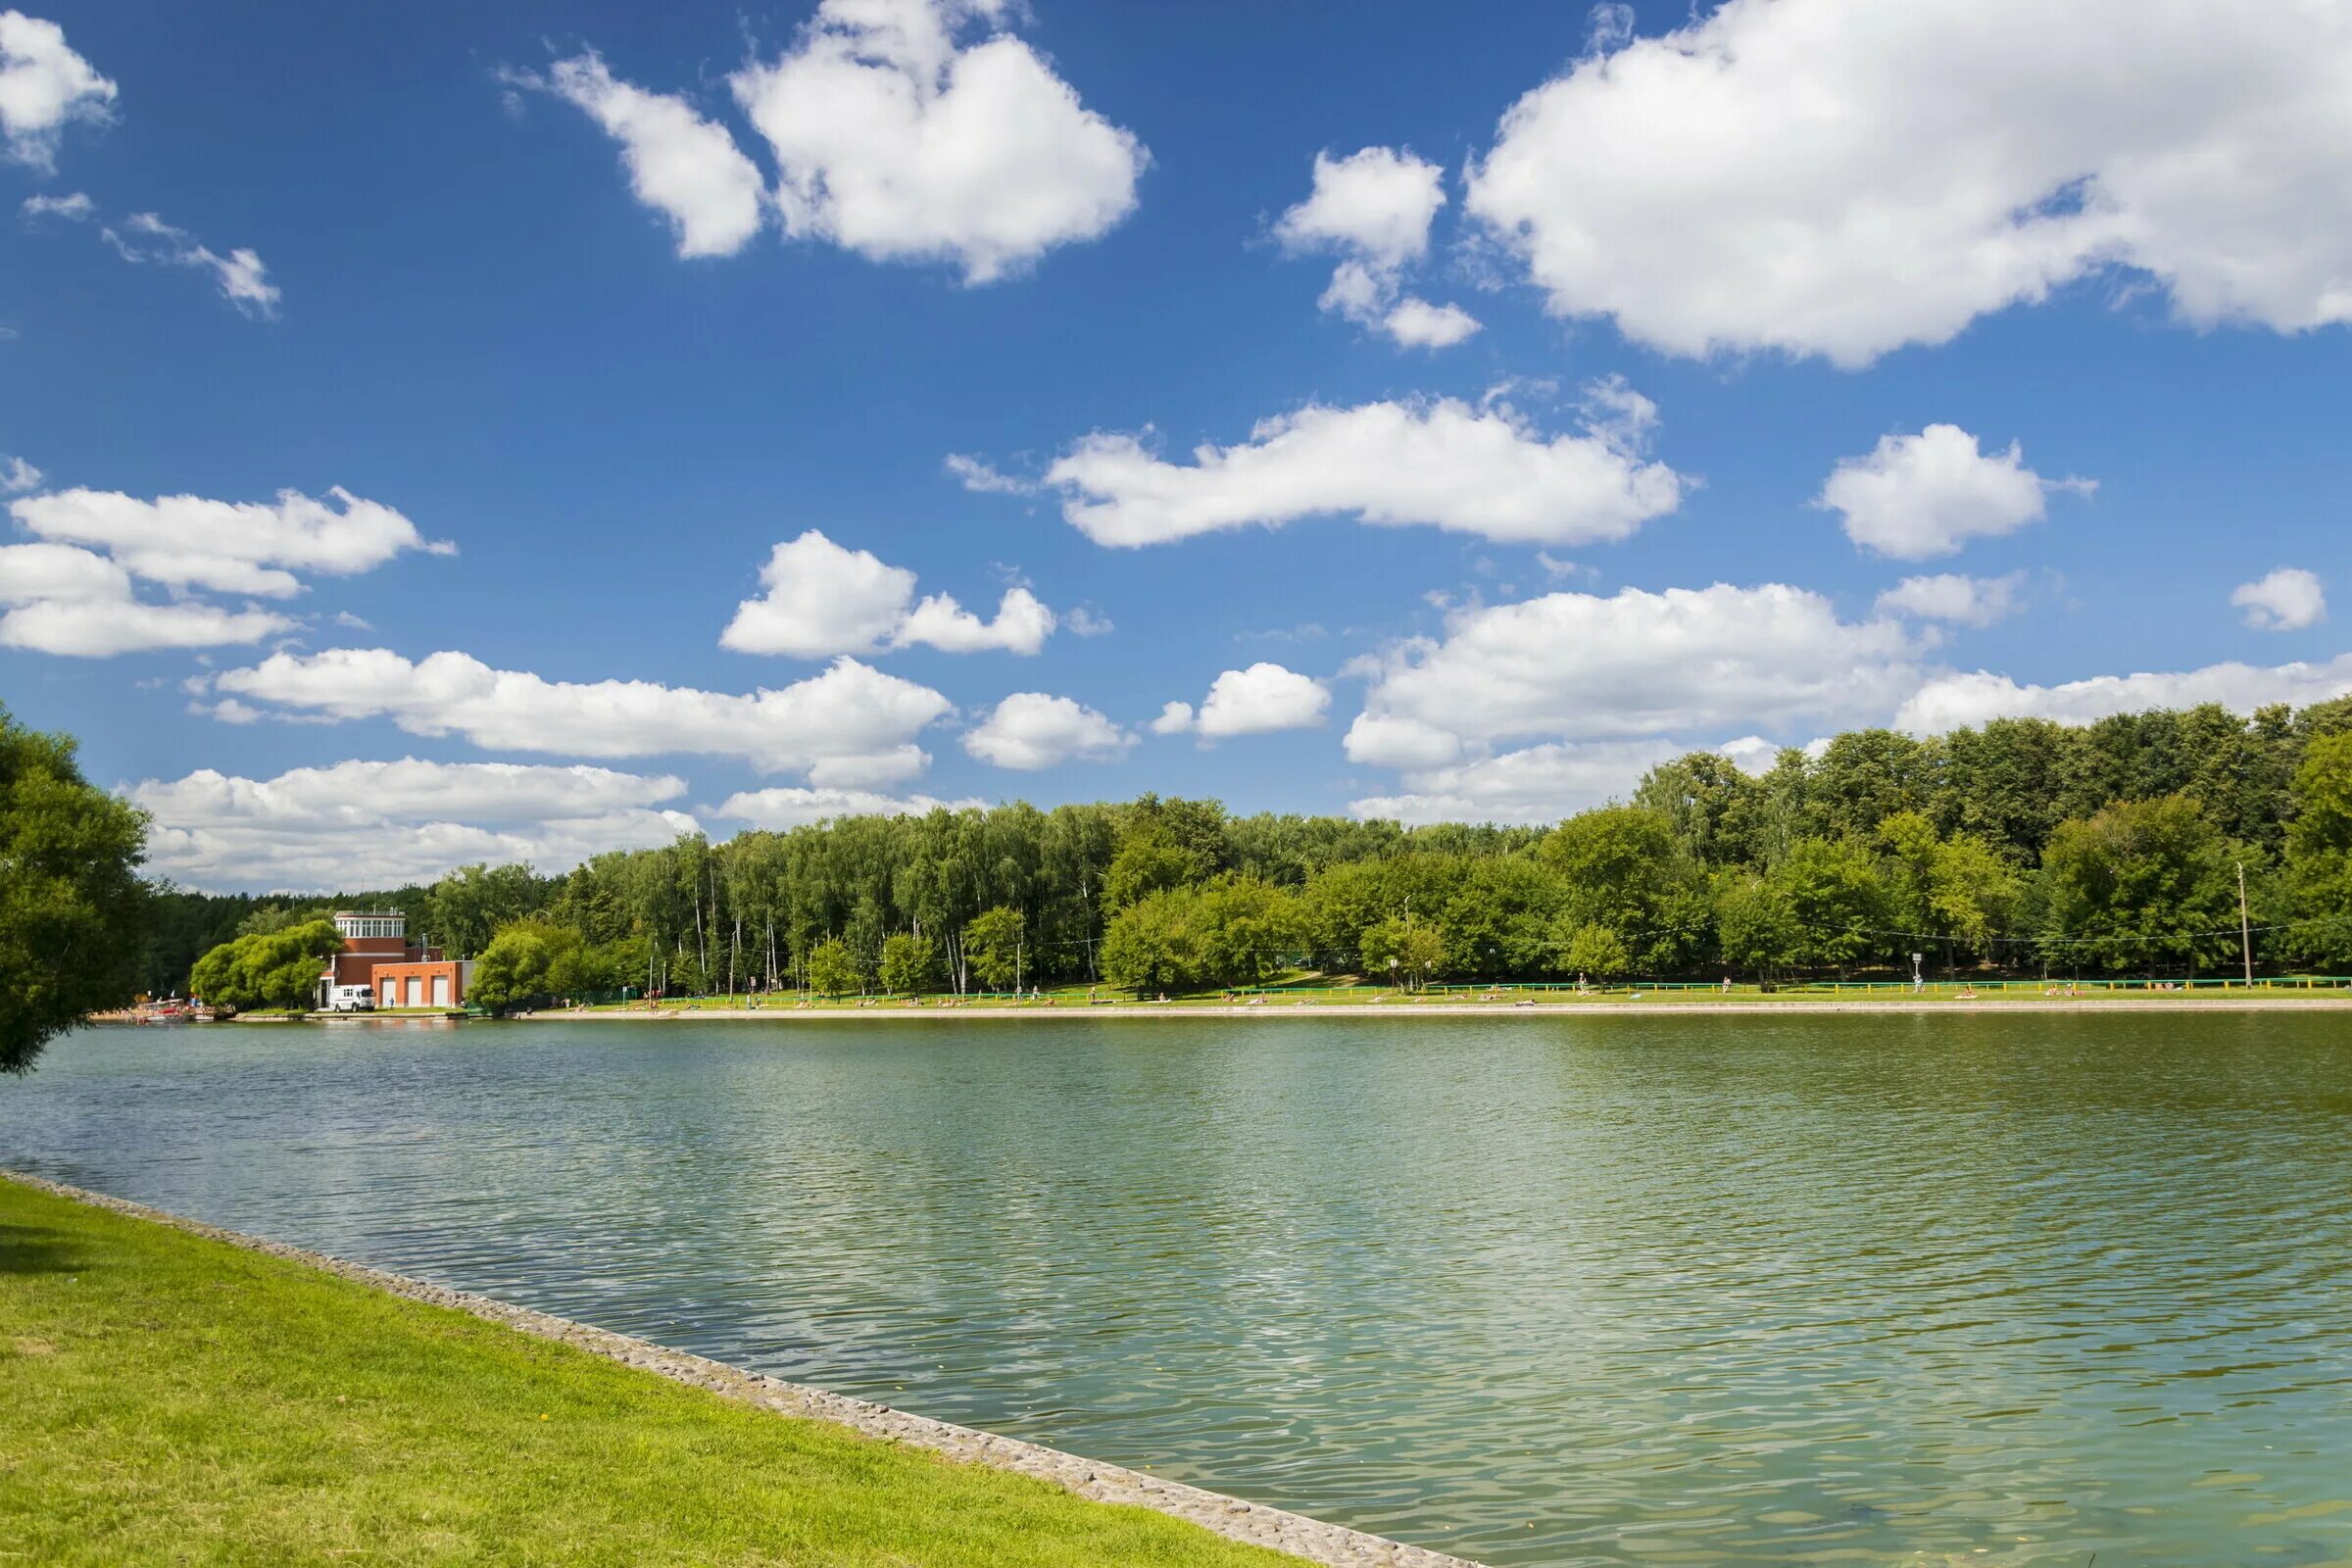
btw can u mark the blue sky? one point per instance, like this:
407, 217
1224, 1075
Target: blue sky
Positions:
1710, 261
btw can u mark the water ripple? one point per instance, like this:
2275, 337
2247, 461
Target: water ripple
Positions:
2002, 1291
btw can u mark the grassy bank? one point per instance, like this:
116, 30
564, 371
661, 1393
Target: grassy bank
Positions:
167, 1399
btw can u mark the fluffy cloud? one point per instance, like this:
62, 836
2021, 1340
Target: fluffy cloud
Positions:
385, 824
1444, 462
1021, 625
1373, 208
823, 598
1821, 176
1376, 204
74, 208
1949, 595
1418, 324
1579, 668
852, 727
240, 275
1917, 496
1537, 784
44, 87
777, 810
684, 166
1952, 702
30, 573
2287, 599
1751, 754
231, 546
1255, 700
898, 140
18, 476
1031, 730
61, 598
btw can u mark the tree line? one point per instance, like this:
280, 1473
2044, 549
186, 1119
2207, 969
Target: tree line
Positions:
2021, 846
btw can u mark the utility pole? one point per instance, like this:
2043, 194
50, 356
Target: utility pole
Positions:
2245, 927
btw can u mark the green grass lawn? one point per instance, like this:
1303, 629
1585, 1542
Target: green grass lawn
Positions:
169, 1399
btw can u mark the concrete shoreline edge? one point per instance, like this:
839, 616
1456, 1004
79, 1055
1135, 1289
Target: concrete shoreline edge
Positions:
1254, 1524
2340, 1002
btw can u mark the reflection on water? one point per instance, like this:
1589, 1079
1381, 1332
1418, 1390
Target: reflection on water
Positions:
1998, 1291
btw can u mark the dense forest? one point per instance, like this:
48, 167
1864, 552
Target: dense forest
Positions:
2023, 846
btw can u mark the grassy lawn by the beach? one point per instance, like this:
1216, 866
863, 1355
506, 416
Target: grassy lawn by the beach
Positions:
165, 1398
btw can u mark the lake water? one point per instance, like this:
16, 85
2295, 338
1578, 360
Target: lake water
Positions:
1796, 1290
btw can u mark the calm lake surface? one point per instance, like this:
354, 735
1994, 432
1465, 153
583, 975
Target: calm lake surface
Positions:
1808, 1289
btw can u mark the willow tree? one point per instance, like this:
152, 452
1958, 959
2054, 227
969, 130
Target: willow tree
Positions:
71, 905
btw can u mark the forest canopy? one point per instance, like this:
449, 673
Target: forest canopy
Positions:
2022, 847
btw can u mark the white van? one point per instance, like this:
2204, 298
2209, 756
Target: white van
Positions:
351, 999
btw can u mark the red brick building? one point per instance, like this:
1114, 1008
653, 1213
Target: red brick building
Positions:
434, 982
377, 952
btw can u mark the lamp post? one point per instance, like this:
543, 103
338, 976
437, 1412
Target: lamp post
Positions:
1919, 981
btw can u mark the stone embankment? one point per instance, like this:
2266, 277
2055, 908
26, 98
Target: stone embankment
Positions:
1231, 1517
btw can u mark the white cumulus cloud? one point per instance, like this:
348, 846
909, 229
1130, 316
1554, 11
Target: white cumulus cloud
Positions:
1924, 495
356, 823
682, 165
1032, 730
232, 546
1482, 469
1843, 177
1951, 597
920, 129
61, 598
1956, 700
821, 598
780, 808
45, 86
2286, 600
1569, 667
18, 476
852, 727
1256, 701
1535, 784
1373, 208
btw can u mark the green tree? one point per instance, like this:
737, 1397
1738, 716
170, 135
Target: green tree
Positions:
71, 905
468, 907
525, 963
995, 947
1143, 947
1959, 889
2319, 856
910, 965
1709, 806
1625, 869
1756, 924
2140, 885
1231, 931
1867, 775
1594, 951
1410, 954
277, 968
832, 969
1836, 901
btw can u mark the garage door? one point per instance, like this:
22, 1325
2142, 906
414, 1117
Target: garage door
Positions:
440, 991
